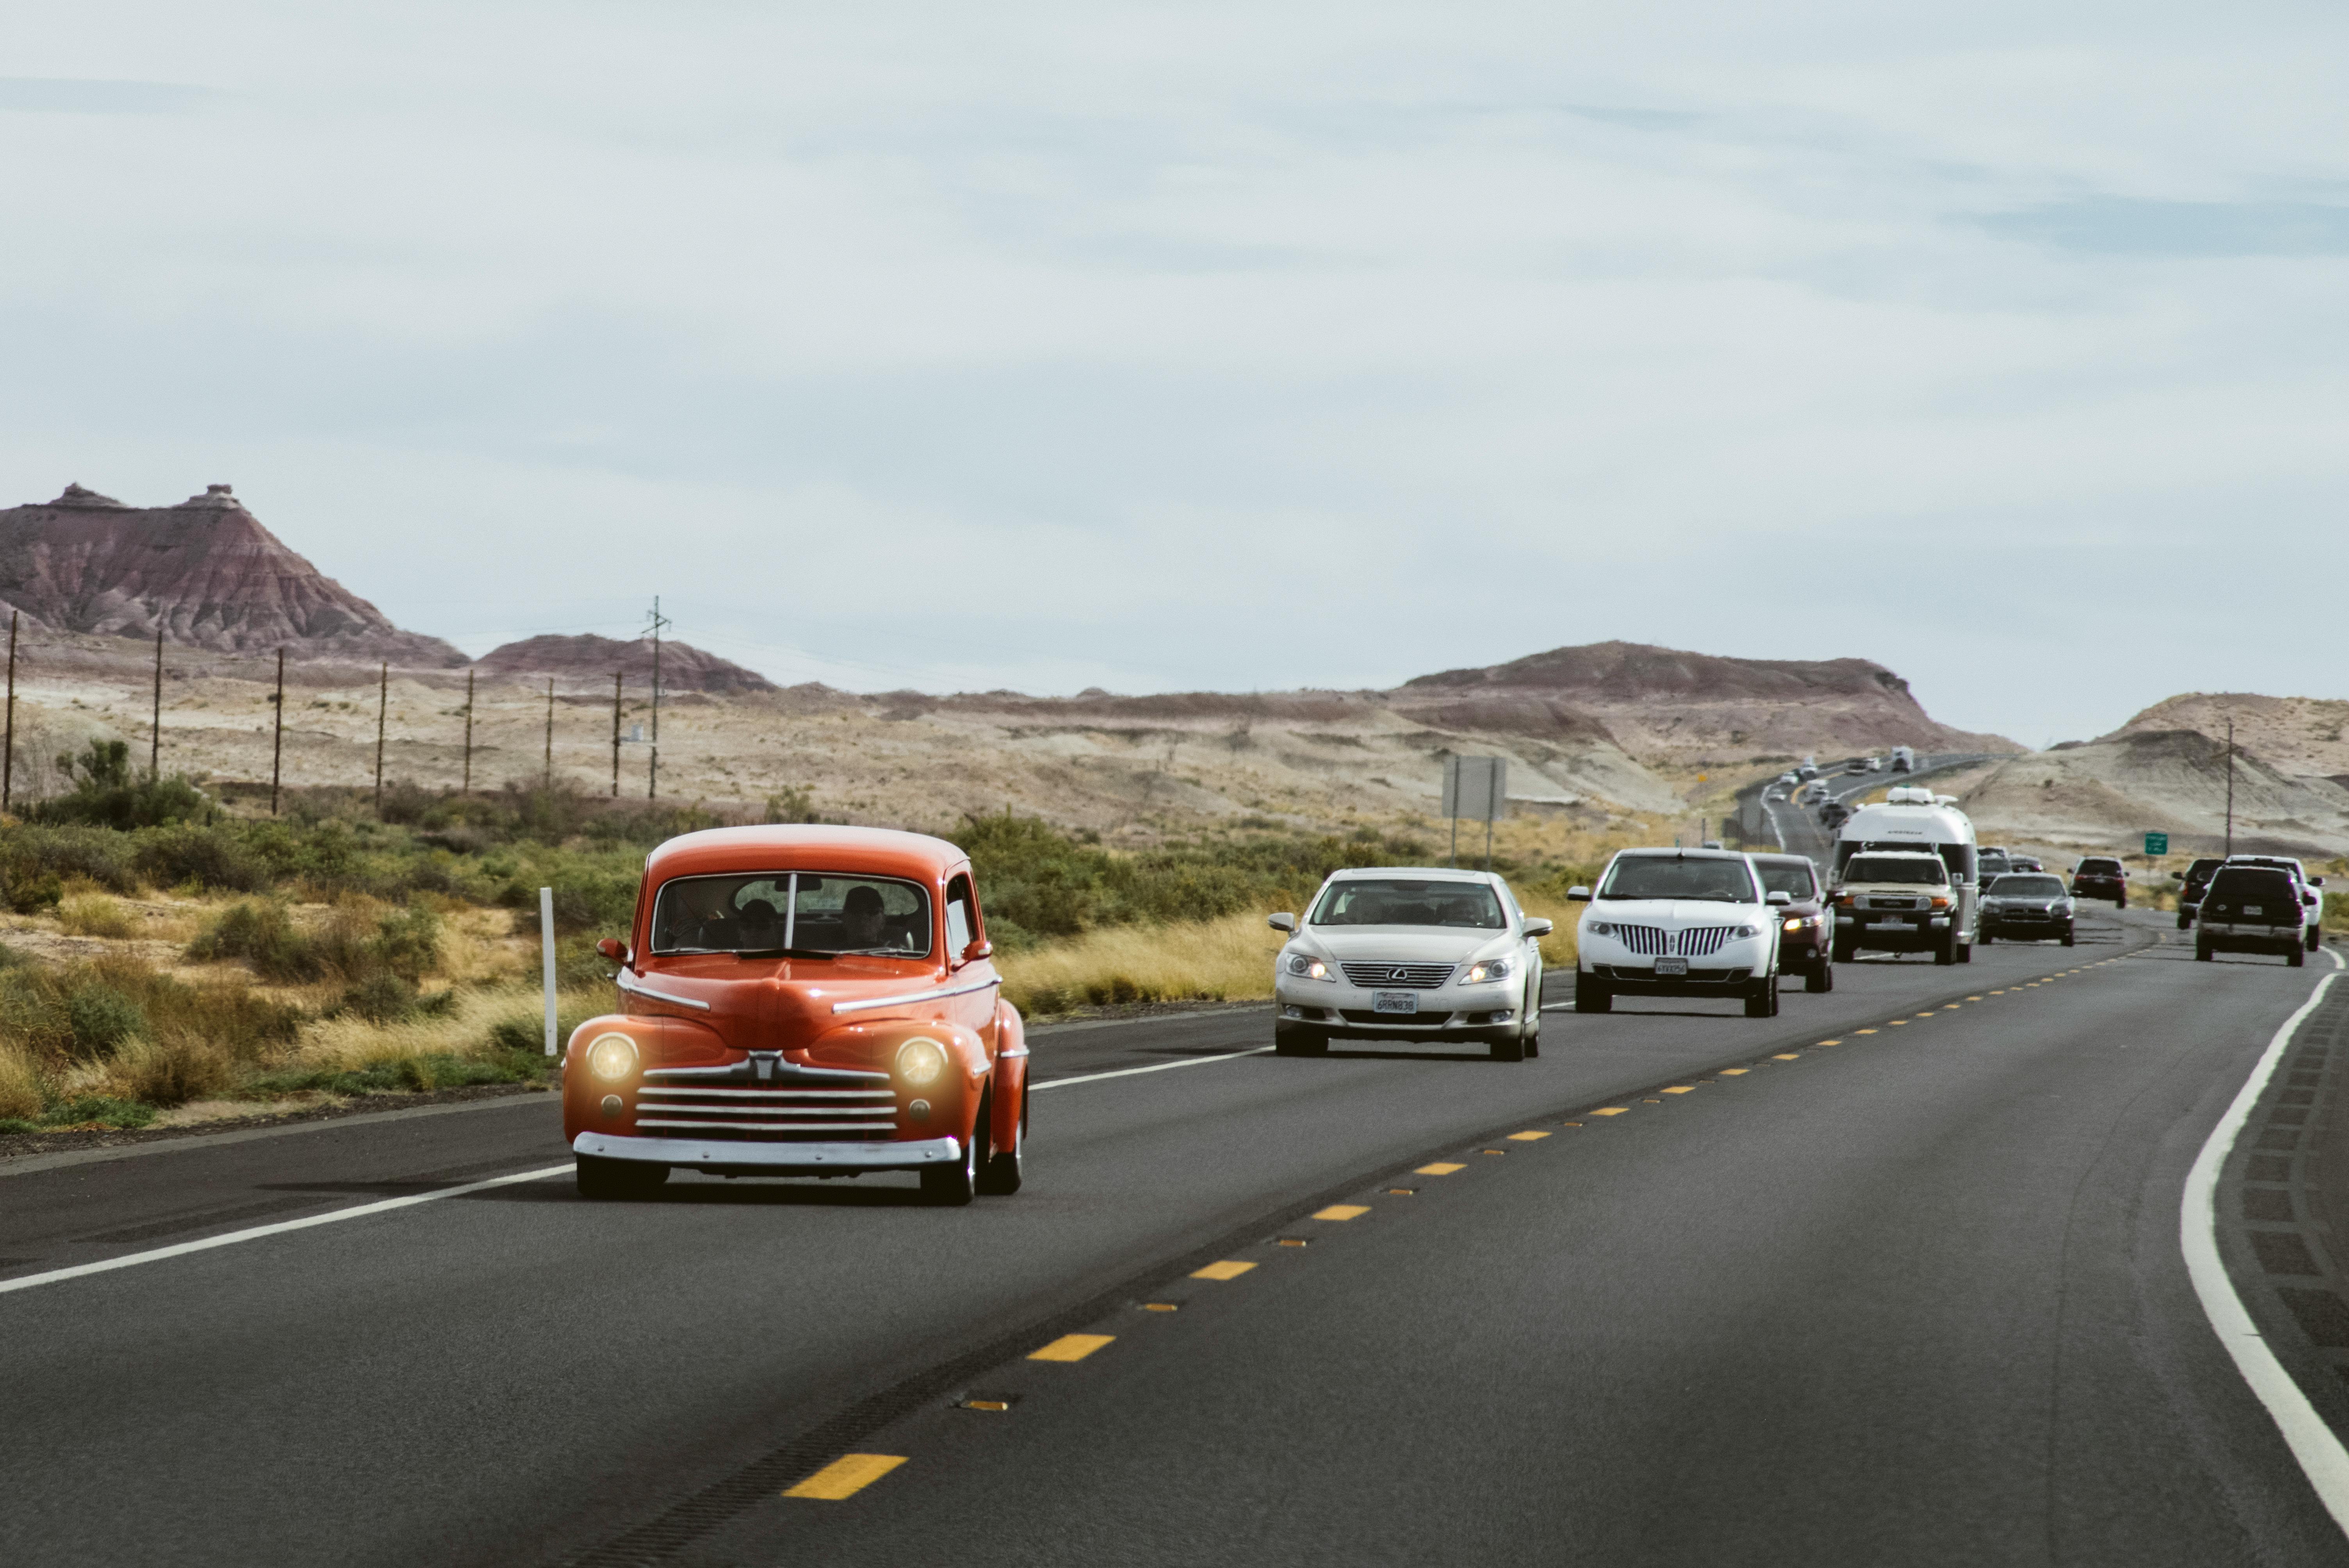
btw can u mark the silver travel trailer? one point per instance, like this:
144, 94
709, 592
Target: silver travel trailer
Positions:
1910, 819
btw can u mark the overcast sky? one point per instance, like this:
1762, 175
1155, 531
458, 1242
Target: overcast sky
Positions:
1241, 346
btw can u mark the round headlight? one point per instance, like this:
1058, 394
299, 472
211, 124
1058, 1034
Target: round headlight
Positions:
921, 1061
611, 1057
1743, 931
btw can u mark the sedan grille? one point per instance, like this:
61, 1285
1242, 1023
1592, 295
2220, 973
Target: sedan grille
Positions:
1414, 976
728, 1103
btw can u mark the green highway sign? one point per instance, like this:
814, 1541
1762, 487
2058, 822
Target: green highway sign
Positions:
2156, 843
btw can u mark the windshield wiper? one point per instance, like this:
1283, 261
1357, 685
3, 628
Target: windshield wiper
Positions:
783, 953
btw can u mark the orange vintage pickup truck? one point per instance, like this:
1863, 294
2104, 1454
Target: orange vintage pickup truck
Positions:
802, 1001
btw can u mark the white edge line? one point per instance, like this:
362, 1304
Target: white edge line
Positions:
2321, 1455
232, 1238
1153, 1068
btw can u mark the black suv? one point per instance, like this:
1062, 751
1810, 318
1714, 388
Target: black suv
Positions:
2251, 909
2101, 878
2191, 883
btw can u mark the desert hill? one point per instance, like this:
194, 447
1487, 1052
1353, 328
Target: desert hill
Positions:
205, 570
1664, 704
586, 662
2302, 736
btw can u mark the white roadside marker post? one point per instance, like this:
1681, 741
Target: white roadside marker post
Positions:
547, 951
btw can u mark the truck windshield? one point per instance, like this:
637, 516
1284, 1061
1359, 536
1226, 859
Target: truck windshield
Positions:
1895, 869
759, 912
1398, 900
1655, 876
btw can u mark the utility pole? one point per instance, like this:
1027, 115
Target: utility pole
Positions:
155, 745
8, 749
382, 708
2230, 787
550, 733
616, 733
277, 746
652, 776
468, 735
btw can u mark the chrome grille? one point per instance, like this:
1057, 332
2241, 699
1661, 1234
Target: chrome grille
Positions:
1700, 941
1652, 940
769, 1101
1876, 902
1414, 976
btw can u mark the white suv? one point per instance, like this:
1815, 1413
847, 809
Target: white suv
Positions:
1406, 952
1679, 923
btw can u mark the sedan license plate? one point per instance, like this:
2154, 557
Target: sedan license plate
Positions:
1672, 966
1394, 1001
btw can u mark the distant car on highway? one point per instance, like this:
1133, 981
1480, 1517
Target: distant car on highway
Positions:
1806, 925
2191, 881
2024, 864
2026, 907
1904, 759
1871, 764
2311, 899
2101, 877
1789, 778
1425, 954
2251, 909
1679, 923
1989, 862
802, 1001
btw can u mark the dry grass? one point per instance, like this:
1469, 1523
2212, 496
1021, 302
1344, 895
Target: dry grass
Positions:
463, 1030
96, 915
20, 1084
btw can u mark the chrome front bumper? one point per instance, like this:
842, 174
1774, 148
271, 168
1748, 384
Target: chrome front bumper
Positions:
780, 1158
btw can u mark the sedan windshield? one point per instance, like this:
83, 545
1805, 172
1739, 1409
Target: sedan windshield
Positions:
2012, 886
774, 912
1889, 869
1657, 876
1398, 900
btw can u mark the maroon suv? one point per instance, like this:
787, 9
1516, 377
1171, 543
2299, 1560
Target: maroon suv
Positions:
2099, 877
1806, 929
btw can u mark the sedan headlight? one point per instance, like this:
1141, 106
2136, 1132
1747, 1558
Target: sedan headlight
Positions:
1305, 966
921, 1062
1745, 930
611, 1057
1488, 969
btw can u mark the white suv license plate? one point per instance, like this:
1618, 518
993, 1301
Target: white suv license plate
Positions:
1394, 1001
1672, 966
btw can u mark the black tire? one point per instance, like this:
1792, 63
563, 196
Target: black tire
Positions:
2121, 903
1946, 950
2185, 921
2297, 957
1298, 1041
1845, 948
1592, 996
1818, 977
2315, 938
1986, 936
1005, 1170
2202, 950
2068, 937
1761, 999
1508, 1047
1965, 953
952, 1186
616, 1181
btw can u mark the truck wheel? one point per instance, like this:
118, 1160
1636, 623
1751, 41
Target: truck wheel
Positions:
2298, 957
1298, 1041
1592, 996
952, 1186
1965, 953
616, 1181
1007, 1169
1986, 936
2068, 937
2202, 950
2183, 922
1946, 950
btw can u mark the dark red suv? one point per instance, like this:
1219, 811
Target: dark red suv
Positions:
2191, 883
2098, 877
1806, 929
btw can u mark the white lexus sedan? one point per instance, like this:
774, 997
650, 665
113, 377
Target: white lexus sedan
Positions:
1679, 923
1410, 953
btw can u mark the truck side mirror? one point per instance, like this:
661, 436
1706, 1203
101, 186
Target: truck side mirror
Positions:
2316, 881
2178, 876
615, 950
1579, 894
1538, 927
1281, 921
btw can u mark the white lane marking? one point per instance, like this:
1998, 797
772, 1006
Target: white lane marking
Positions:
1154, 1067
130, 1260
2321, 1458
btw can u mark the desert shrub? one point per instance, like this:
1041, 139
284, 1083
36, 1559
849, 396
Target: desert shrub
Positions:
383, 998
416, 1071
36, 861
91, 1110
170, 1071
262, 932
21, 1096
99, 1017
526, 1033
358, 942
90, 1010
95, 914
592, 893
206, 856
107, 793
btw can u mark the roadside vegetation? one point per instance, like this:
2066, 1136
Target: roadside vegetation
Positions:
164, 956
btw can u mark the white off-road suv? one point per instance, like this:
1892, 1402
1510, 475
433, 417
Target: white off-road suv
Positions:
1407, 953
1679, 923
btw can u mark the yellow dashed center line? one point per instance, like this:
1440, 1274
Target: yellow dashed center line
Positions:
1611, 1110
1896, 1023
1342, 1211
1864, 1031
1681, 1088
1973, 998
1528, 1137
1439, 1169
1830, 1042
846, 1476
1785, 1055
1733, 1072
1230, 1268
1160, 1307
1071, 1347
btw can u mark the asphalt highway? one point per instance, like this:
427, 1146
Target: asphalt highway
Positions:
1798, 828
1688, 1288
